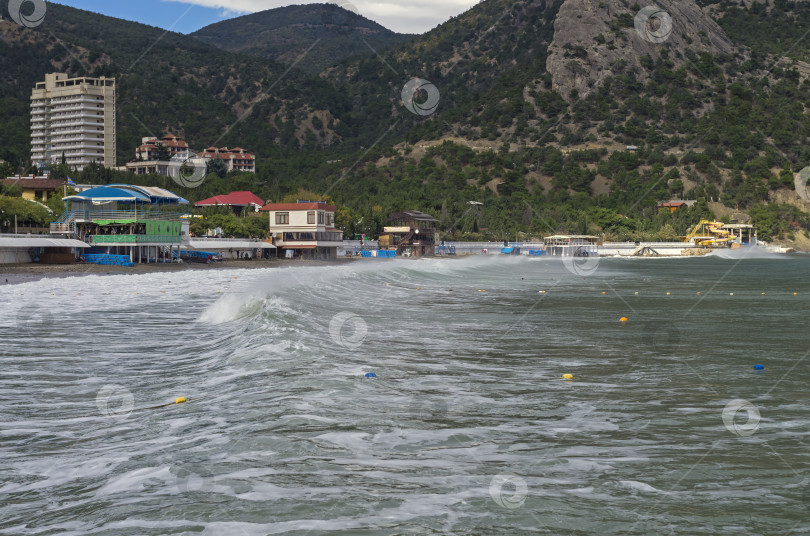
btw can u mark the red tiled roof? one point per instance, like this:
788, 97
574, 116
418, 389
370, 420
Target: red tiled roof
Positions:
299, 206
233, 198
35, 184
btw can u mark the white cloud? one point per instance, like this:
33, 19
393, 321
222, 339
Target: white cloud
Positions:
415, 16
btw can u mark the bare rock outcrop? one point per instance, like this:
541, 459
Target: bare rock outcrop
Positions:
592, 36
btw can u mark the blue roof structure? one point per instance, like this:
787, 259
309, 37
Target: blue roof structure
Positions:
126, 193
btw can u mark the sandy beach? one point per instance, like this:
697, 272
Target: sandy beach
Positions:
12, 274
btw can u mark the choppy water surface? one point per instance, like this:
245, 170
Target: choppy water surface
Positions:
467, 427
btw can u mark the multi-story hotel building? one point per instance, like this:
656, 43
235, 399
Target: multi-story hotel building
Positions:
74, 117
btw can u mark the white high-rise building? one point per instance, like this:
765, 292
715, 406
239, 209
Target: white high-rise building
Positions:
74, 118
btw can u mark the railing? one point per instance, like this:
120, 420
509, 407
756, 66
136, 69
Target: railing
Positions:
672, 244
63, 228
133, 239
139, 215
321, 236
212, 239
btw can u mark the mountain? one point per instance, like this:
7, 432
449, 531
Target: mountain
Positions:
166, 82
528, 106
593, 36
287, 35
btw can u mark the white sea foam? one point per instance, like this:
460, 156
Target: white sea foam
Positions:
746, 253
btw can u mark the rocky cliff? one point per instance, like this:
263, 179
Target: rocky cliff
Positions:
592, 36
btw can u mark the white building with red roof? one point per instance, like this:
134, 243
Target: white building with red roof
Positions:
148, 150
147, 154
305, 229
236, 159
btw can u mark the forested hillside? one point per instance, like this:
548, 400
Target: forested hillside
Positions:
286, 34
716, 118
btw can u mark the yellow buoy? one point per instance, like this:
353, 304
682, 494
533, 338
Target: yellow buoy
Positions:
179, 400
479, 290
636, 293
763, 293
541, 291
568, 376
603, 292
667, 293
731, 294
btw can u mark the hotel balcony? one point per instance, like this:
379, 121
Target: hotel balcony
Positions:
313, 239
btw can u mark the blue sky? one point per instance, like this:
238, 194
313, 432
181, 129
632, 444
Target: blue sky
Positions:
186, 16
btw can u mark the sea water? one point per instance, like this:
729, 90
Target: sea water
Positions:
411, 397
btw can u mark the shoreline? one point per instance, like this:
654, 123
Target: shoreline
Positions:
14, 274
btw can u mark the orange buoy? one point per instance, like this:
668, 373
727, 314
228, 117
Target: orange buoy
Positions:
623, 319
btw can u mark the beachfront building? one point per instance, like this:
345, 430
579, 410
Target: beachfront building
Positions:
744, 234
147, 224
36, 188
237, 201
304, 229
74, 119
572, 245
410, 234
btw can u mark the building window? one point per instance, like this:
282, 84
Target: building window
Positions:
311, 217
282, 218
320, 217
330, 219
